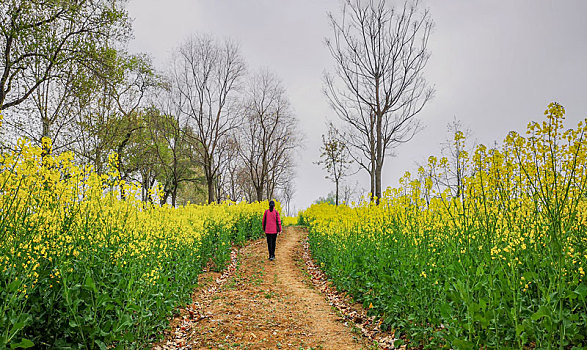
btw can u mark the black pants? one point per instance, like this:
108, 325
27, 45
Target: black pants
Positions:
271, 243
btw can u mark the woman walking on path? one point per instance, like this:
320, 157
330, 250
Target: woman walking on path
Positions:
271, 227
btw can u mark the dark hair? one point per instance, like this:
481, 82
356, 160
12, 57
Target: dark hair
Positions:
271, 205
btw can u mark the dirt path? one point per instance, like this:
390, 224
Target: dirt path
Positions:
266, 305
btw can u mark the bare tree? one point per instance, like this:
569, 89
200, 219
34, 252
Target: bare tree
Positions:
228, 182
378, 86
334, 158
286, 195
281, 174
245, 185
348, 192
269, 136
206, 75
457, 149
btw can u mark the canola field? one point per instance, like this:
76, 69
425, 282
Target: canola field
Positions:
499, 263
80, 267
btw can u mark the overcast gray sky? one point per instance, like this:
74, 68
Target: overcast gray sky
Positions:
495, 65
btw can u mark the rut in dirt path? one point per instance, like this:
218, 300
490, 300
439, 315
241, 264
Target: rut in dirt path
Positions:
268, 305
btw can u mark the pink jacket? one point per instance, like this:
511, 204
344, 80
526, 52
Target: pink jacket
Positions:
271, 222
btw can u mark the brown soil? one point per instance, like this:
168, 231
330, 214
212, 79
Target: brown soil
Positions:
263, 305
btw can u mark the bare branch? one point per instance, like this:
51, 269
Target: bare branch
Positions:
378, 86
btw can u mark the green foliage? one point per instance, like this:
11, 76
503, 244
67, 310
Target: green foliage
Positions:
330, 199
334, 158
40, 38
498, 264
171, 150
334, 154
465, 299
96, 303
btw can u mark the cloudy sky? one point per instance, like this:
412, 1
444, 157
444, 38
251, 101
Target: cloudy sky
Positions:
495, 65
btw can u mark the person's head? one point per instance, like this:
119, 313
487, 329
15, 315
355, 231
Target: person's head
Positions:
271, 205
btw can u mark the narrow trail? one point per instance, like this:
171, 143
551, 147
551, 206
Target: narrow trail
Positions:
265, 305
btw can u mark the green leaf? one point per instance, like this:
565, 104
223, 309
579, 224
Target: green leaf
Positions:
130, 337
482, 304
19, 323
462, 344
101, 345
445, 311
480, 270
12, 287
572, 295
89, 283
125, 322
481, 319
542, 312
519, 329
581, 291
24, 344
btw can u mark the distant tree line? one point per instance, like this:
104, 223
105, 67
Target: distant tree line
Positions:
204, 130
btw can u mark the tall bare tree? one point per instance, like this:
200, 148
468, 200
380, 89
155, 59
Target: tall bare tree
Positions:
206, 74
269, 136
378, 86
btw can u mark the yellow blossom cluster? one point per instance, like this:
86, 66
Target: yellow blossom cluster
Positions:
289, 221
515, 221
63, 225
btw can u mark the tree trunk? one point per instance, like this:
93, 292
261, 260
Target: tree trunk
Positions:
336, 197
259, 192
119, 150
46, 127
174, 194
378, 183
175, 179
144, 188
164, 198
151, 184
210, 183
270, 187
119, 168
372, 175
379, 155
